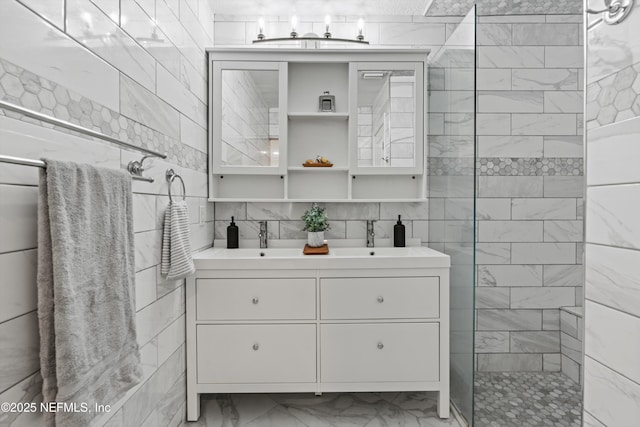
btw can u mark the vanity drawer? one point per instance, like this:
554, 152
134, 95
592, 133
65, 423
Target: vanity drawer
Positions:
255, 299
379, 298
256, 354
380, 352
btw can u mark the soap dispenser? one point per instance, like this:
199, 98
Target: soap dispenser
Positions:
232, 235
398, 234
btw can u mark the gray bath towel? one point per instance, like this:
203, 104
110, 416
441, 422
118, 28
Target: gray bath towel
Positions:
177, 262
86, 309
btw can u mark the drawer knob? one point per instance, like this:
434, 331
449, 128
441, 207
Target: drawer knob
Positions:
255, 347
255, 300
380, 346
380, 299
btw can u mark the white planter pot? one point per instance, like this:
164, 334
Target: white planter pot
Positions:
315, 239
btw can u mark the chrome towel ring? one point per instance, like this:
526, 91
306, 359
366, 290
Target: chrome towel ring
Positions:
171, 176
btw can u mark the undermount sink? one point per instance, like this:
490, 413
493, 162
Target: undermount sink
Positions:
380, 252
338, 257
250, 253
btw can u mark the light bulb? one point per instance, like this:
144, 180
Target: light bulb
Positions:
327, 23
360, 28
294, 22
261, 28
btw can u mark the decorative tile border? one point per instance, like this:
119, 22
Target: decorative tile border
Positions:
509, 166
549, 166
445, 166
29, 90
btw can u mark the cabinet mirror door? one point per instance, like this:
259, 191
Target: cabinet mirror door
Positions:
247, 117
388, 128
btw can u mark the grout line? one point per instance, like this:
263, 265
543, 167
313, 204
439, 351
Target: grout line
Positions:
18, 316
612, 246
617, 184
18, 250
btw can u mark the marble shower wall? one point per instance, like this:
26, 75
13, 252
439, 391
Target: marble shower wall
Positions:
530, 187
612, 255
134, 70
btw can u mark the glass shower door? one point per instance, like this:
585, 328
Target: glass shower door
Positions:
451, 154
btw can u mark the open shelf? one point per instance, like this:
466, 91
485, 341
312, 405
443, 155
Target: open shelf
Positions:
317, 169
318, 115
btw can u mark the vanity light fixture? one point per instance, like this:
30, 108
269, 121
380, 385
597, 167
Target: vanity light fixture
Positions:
313, 37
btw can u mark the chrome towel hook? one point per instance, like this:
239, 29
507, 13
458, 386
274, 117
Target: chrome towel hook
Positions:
616, 11
171, 176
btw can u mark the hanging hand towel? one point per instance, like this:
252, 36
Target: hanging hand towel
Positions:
177, 262
86, 305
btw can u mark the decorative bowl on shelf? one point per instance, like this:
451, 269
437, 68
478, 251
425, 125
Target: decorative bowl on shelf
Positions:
317, 165
319, 162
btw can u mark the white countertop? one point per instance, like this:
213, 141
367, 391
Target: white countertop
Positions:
338, 257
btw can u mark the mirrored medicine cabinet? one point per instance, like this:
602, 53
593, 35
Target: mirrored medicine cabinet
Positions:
272, 139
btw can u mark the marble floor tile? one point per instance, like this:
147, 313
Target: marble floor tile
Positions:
414, 409
507, 399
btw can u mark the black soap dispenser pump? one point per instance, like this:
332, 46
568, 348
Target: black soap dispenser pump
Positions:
232, 235
398, 234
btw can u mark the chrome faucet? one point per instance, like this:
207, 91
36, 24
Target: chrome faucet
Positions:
263, 234
370, 233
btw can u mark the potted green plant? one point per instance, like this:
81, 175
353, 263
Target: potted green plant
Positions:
315, 224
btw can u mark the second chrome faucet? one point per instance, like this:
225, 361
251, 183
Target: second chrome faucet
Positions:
262, 235
370, 233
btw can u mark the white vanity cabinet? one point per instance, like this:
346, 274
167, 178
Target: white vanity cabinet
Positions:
317, 328
265, 122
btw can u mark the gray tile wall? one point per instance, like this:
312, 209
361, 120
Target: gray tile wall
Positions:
530, 185
145, 90
612, 282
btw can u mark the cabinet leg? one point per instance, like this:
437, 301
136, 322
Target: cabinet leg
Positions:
318, 393
193, 407
443, 405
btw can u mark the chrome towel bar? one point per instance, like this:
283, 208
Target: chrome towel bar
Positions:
135, 167
41, 164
